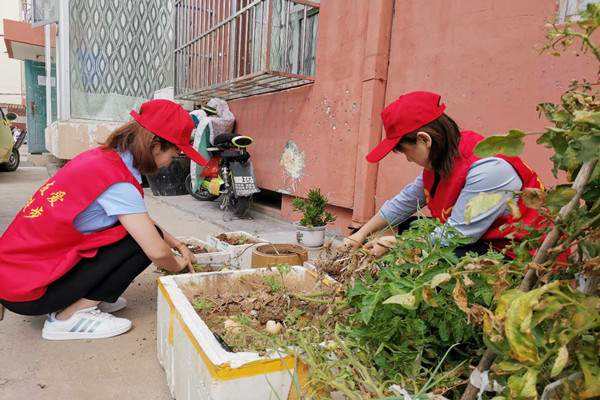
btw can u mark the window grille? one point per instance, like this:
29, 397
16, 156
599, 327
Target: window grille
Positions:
237, 48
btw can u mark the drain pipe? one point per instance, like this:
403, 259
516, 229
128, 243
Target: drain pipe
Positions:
377, 49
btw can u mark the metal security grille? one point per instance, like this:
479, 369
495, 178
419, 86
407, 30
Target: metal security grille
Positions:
237, 48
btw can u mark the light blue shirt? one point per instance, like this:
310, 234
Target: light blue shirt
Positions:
488, 175
120, 198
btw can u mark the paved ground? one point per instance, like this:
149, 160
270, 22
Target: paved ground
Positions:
124, 367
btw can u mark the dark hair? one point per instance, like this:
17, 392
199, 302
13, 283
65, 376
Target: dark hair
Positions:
139, 141
445, 137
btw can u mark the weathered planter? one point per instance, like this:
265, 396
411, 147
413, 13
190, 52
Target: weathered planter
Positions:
270, 254
310, 237
213, 255
196, 365
241, 255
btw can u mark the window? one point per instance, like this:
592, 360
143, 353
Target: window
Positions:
238, 48
570, 8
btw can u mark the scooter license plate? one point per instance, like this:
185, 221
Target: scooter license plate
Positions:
244, 183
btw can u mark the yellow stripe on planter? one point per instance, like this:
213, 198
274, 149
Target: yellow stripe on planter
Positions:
195, 364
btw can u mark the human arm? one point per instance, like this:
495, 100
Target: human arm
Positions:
488, 175
177, 244
392, 213
142, 228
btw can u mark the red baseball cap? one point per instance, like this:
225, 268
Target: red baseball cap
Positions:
171, 122
405, 115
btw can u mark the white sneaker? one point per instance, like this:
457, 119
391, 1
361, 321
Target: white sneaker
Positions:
112, 307
89, 323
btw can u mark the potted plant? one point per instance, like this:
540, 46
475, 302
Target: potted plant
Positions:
310, 230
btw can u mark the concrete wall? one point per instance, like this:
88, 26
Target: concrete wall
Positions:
478, 54
11, 75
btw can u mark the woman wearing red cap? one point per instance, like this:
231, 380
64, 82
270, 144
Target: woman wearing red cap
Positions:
416, 126
85, 235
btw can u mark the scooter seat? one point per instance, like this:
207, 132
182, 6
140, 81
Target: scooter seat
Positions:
232, 155
223, 138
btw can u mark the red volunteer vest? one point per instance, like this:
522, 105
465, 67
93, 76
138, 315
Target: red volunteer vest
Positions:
41, 244
441, 203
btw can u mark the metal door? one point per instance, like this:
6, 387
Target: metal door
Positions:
35, 81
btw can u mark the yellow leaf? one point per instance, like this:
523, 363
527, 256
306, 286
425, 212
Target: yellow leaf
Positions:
561, 361
513, 208
479, 204
406, 299
440, 279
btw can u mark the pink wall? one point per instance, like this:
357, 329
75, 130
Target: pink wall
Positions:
321, 119
479, 56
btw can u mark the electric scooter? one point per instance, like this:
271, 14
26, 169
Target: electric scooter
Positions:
228, 173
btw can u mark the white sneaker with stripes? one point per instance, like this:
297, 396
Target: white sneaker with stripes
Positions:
89, 323
112, 307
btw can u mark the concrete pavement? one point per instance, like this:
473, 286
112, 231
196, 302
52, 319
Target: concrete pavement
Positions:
123, 367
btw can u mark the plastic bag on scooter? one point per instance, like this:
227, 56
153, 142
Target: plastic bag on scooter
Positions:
207, 129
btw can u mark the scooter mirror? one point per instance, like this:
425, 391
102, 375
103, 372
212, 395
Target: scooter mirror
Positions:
11, 116
242, 141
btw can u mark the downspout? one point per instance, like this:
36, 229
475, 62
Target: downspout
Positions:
377, 49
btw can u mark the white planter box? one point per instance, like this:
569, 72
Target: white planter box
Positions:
196, 365
241, 255
214, 256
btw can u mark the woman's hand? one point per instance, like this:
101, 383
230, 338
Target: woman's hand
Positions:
381, 245
186, 253
184, 263
352, 242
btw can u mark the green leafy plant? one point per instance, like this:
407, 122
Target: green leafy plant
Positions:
202, 304
551, 334
313, 209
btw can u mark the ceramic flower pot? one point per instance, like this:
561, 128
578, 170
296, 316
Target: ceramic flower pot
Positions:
310, 237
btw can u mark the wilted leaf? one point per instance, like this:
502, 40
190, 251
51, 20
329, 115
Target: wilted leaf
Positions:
460, 297
406, 299
510, 145
592, 267
501, 282
467, 280
513, 208
533, 198
591, 372
479, 204
560, 362
587, 117
440, 279
428, 298
510, 365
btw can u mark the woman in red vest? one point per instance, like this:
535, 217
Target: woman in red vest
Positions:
85, 235
416, 126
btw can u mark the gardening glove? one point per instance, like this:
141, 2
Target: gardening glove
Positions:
381, 245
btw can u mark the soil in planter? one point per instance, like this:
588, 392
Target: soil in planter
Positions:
200, 269
261, 299
236, 239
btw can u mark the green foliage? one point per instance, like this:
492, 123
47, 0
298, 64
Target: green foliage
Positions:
202, 304
313, 209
